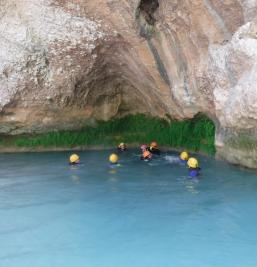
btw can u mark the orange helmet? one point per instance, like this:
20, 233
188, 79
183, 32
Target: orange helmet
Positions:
146, 154
154, 145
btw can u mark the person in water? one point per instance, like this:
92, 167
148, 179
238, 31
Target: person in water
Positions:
184, 157
122, 147
154, 149
74, 159
143, 148
114, 160
147, 155
193, 167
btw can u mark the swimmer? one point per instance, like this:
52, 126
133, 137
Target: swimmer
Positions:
114, 160
146, 155
193, 166
122, 147
74, 159
154, 149
184, 157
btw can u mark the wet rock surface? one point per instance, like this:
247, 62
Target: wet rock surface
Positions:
64, 64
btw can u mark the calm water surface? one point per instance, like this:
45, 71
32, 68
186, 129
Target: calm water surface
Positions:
138, 215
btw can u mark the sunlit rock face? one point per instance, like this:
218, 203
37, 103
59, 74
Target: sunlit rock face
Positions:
64, 64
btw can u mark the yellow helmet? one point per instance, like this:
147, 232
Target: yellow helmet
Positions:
113, 158
192, 163
74, 158
184, 155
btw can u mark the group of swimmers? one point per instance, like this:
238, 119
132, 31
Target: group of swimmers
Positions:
148, 152
192, 164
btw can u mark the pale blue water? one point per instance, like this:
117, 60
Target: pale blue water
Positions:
139, 215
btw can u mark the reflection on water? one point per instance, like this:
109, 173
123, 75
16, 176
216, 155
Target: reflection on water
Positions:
191, 185
75, 179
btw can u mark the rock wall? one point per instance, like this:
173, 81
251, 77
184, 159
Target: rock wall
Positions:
66, 63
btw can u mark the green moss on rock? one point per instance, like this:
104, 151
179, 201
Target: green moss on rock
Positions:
196, 134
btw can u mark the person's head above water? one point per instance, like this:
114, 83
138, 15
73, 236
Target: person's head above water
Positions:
192, 163
143, 147
113, 158
154, 149
184, 155
74, 159
153, 145
122, 146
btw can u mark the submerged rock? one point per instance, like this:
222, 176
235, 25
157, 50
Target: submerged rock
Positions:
64, 64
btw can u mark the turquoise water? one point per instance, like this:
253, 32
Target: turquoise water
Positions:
140, 214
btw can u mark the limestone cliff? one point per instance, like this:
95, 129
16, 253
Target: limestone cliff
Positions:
64, 63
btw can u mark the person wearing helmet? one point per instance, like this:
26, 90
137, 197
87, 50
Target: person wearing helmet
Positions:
114, 160
193, 166
147, 155
154, 149
74, 159
143, 148
184, 157
122, 147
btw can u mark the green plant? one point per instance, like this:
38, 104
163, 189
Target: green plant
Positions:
195, 134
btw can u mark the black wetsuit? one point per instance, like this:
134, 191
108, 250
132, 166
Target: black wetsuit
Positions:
121, 149
154, 151
74, 163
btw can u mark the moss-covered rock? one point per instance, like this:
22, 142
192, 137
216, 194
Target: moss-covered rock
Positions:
196, 134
